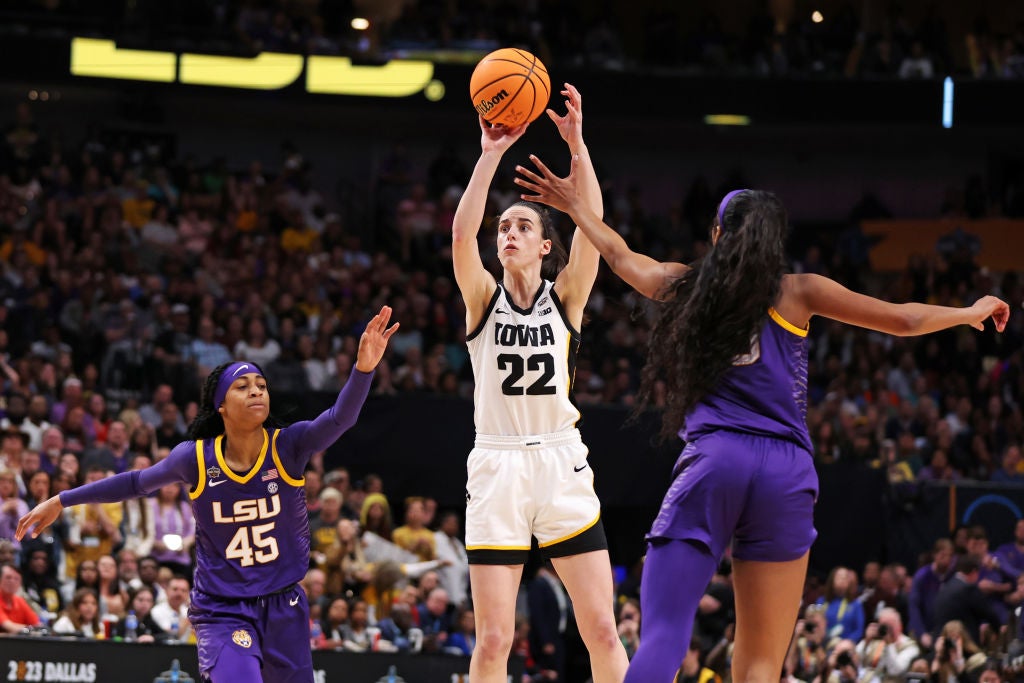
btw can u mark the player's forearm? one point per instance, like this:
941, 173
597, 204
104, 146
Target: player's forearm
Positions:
927, 318
605, 240
179, 466
470, 211
339, 418
110, 490
590, 188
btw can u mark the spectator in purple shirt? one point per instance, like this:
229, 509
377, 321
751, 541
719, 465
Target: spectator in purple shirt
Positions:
927, 582
1011, 555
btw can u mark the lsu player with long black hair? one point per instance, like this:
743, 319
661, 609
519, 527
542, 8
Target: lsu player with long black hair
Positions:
244, 473
528, 473
731, 347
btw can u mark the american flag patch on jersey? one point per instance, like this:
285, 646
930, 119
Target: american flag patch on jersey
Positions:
270, 474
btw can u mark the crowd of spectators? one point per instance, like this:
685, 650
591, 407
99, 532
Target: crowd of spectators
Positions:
781, 37
127, 275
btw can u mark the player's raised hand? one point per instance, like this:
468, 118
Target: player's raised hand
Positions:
547, 188
374, 340
39, 517
499, 137
990, 306
570, 126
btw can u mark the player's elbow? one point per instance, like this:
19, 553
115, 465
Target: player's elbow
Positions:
908, 323
463, 232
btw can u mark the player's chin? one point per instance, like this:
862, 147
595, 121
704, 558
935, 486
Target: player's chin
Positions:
259, 413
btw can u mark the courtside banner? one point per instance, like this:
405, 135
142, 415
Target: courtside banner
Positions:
67, 660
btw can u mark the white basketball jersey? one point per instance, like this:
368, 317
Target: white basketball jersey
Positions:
524, 362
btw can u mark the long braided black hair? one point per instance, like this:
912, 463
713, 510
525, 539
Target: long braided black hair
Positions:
208, 422
711, 313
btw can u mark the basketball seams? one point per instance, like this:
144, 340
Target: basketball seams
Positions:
532, 72
512, 99
496, 80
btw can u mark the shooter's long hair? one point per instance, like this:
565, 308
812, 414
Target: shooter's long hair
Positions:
711, 313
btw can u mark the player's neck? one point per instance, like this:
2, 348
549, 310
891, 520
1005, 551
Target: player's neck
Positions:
522, 287
243, 446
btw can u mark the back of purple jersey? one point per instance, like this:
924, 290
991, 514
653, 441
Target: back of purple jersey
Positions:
252, 529
764, 392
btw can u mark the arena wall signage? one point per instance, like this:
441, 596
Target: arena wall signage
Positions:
40, 659
324, 75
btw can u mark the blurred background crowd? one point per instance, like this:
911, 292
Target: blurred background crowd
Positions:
128, 271
872, 39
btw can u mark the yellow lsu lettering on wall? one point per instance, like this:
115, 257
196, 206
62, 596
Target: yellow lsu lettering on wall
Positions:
248, 510
101, 58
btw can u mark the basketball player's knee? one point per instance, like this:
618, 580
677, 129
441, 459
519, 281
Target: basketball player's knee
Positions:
494, 643
600, 633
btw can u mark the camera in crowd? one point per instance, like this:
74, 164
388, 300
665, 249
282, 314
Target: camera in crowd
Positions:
883, 631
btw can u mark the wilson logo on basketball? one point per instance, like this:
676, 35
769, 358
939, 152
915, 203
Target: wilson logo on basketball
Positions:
486, 105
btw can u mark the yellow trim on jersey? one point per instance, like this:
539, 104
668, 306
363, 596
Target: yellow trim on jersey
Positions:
257, 466
201, 461
572, 535
280, 468
572, 375
568, 350
497, 547
786, 325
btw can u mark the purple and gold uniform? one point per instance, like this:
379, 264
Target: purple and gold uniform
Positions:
747, 472
252, 538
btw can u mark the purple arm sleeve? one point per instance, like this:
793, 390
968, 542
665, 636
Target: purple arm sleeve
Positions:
179, 466
299, 441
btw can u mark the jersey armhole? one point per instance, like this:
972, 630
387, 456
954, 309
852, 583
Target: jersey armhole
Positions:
565, 318
487, 314
201, 464
288, 479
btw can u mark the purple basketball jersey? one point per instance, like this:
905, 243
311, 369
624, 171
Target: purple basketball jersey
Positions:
252, 529
764, 393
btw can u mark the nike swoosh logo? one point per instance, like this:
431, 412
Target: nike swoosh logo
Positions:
218, 482
240, 368
579, 469
294, 602
498, 310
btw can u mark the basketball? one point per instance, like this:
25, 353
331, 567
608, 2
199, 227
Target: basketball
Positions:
510, 86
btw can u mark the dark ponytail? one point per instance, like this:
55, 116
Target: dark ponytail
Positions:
555, 259
208, 422
713, 312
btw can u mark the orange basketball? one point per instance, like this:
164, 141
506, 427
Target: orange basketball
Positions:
510, 86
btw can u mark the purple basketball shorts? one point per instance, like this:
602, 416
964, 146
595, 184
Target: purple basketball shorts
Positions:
756, 491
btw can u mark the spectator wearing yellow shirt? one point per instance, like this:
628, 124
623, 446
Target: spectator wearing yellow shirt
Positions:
414, 536
299, 237
19, 243
138, 207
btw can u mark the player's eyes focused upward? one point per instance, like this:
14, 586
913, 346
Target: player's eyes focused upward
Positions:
523, 226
